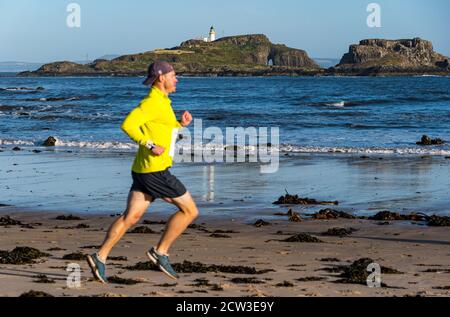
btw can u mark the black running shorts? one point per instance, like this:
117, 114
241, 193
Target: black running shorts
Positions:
158, 185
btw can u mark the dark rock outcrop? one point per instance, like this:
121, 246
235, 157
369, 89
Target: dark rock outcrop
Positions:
392, 57
426, 140
51, 141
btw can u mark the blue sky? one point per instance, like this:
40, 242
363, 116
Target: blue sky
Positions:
36, 30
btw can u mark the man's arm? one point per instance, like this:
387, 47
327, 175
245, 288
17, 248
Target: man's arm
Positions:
132, 126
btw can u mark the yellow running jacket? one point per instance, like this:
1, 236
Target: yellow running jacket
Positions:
153, 120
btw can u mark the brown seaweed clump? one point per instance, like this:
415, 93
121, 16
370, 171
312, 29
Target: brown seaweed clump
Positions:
42, 278
117, 258
388, 216
219, 235
285, 284
202, 282
8, 221
303, 237
77, 256
296, 200
197, 267
68, 218
122, 281
339, 232
331, 214
434, 220
143, 230
261, 223
246, 280
33, 293
437, 221
198, 227
150, 222
21, 255
293, 216
311, 279
356, 273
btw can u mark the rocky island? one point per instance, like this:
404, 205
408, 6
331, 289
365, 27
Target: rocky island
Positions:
376, 57
246, 55
256, 55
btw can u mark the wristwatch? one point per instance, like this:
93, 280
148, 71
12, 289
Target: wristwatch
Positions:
150, 145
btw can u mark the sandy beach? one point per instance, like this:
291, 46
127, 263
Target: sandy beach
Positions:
419, 253
228, 255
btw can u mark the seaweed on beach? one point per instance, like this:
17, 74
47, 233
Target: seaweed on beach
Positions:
197, 267
261, 223
332, 214
296, 200
56, 249
166, 285
143, 230
225, 231
302, 237
79, 226
311, 279
246, 280
149, 222
388, 215
68, 217
199, 227
117, 258
216, 288
76, 256
33, 293
21, 255
91, 247
438, 221
218, 235
285, 284
42, 278
123, 281
356, 273
330, 260
339, 232
200, 282
293, 216
432, 221
437, 271
8, 221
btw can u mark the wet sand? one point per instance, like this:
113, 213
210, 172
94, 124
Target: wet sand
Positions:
87, 182
297, 266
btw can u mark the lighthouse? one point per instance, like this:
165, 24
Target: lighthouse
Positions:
212, 34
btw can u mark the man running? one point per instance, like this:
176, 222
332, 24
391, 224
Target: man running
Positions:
154, 127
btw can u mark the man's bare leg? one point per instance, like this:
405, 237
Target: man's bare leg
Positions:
178, 223
137, 204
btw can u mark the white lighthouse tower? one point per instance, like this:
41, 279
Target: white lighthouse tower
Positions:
212, 34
